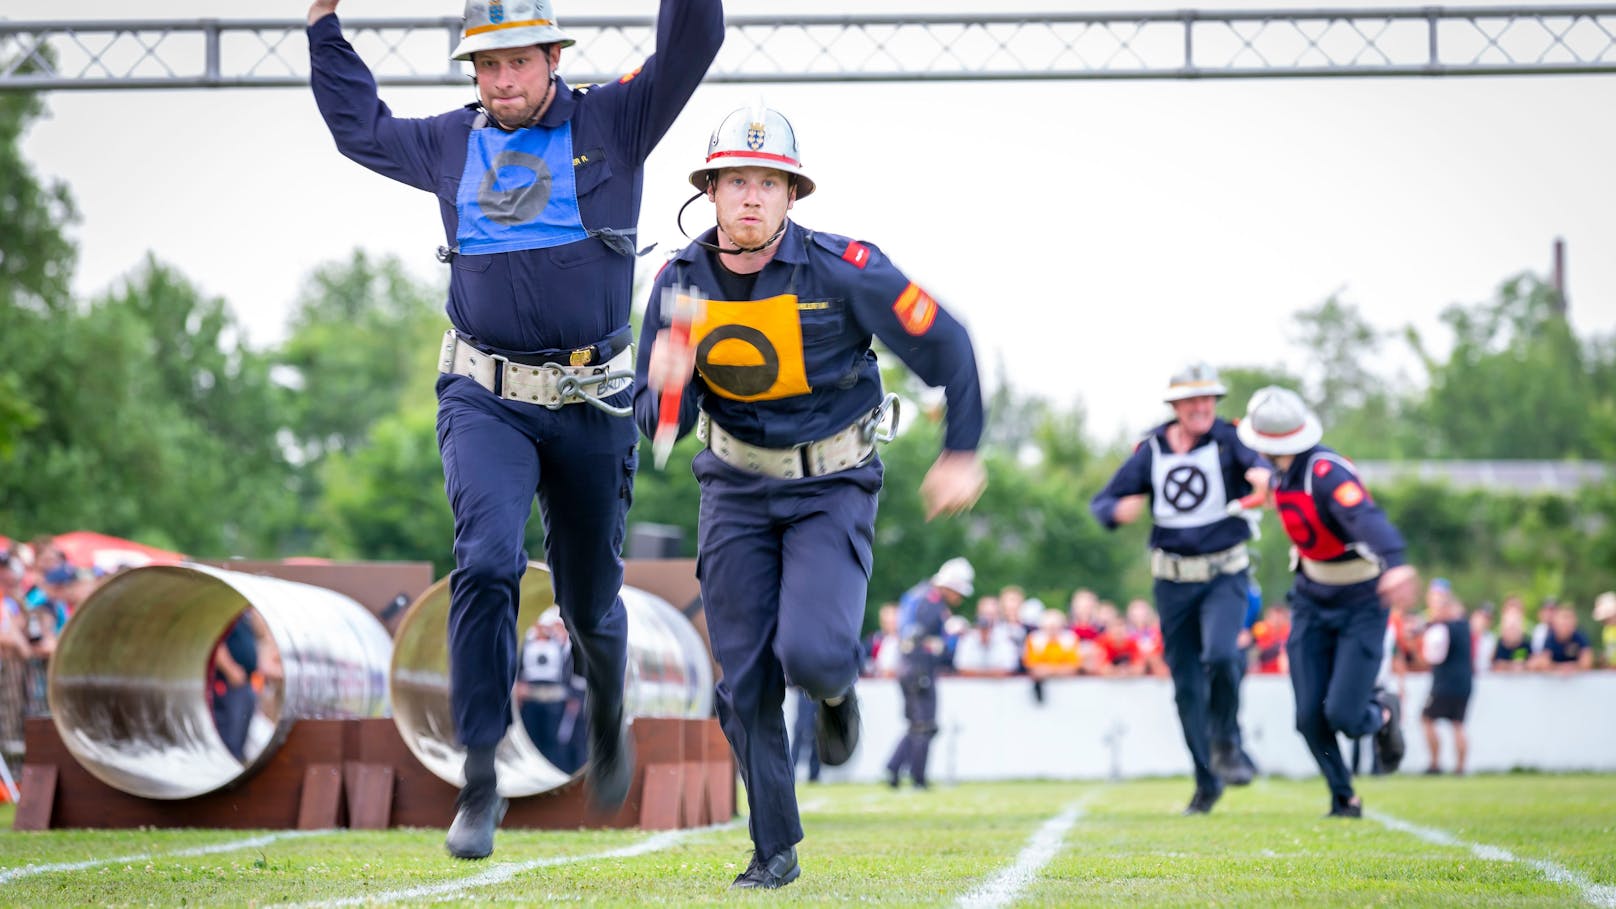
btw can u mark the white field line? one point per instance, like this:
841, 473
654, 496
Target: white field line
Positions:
1596, 894
12, 874
500, 873
1005, 887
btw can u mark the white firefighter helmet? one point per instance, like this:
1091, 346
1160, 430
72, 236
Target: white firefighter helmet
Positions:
754, 136
1278, 423
498, 24
957, 575
1194, 381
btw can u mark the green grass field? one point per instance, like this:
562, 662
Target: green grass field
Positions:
1516, 840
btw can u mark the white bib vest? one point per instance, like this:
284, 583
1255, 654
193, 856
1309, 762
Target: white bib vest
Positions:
1187, 489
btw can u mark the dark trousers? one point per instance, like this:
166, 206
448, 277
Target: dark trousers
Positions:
1335, 652
1200, 627
232, 713
784, 568
919, 687
580, 463
804, 741
557, 735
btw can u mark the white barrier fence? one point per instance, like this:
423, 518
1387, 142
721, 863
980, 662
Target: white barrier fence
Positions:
994, 729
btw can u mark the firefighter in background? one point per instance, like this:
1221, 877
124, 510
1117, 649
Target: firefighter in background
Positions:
921, 614
778, 379
1187, 473
1349, 568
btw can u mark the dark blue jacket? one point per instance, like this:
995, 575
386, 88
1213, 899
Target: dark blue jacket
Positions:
1134, 478
847, 292
566, 296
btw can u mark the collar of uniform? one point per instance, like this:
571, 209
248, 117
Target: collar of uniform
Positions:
561, 106
793, 245
1211, 434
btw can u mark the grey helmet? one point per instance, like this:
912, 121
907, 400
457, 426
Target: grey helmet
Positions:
499, 24
1278, 423
754, 136
1194, 381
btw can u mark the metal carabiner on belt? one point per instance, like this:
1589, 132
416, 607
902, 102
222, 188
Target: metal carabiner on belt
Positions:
872, 431
570, 390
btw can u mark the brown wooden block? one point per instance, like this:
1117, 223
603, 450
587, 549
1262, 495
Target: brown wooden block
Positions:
320, 804
720, 786
661, 797
369, 795
694, 811
38, 802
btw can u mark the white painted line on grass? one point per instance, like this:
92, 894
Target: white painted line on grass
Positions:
1596, 894
500, 873
1003, 888
12, 874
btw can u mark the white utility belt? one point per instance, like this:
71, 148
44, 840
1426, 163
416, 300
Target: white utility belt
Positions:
1198, 569
1340, 574
848, 448
550, 384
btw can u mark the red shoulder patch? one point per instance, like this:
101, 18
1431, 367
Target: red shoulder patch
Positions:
626, 78
915, 309
1349, 494
857, 253
1321, 467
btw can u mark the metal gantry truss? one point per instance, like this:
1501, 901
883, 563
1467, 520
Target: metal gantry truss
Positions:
1423, 41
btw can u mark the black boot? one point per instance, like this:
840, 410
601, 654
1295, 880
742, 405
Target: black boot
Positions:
478, 809
1351, 806
1389, 745
777, 871
611, 760
1202, 801
836, 727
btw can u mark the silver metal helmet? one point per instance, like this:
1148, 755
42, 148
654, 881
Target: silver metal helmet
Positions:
957, 575
1278, 423
755, 136
1194, 381
498, 24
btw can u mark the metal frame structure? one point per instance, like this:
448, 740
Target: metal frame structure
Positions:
1183, 44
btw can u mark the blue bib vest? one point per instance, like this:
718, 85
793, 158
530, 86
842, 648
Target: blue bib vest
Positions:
518, 191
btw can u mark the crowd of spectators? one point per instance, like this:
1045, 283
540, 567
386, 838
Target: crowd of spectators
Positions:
39, 590
1008, 633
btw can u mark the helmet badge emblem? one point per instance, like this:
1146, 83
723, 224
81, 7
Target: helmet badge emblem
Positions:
754, 136
496, 12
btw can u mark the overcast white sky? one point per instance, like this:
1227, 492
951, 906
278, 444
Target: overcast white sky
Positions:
1092, 235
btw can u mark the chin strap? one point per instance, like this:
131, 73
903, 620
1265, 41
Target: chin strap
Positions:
736, 251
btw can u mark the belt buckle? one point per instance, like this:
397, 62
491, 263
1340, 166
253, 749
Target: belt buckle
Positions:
583, 356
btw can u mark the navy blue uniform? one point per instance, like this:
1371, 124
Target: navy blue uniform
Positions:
234, 705
1201, 620
1338, 631
545, 287
922, 611
785, 564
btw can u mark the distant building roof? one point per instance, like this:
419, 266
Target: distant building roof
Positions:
1505, 476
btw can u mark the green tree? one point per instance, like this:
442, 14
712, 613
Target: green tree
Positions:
36, 266
159, 423
1517, 383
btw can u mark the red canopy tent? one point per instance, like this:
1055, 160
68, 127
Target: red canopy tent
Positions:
88, 549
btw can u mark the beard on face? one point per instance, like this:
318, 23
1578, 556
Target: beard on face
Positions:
747, 235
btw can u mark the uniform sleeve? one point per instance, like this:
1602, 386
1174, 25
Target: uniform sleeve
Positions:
644, 103
365, 130
1341, 496
921, 333
1131, 479
648, 401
